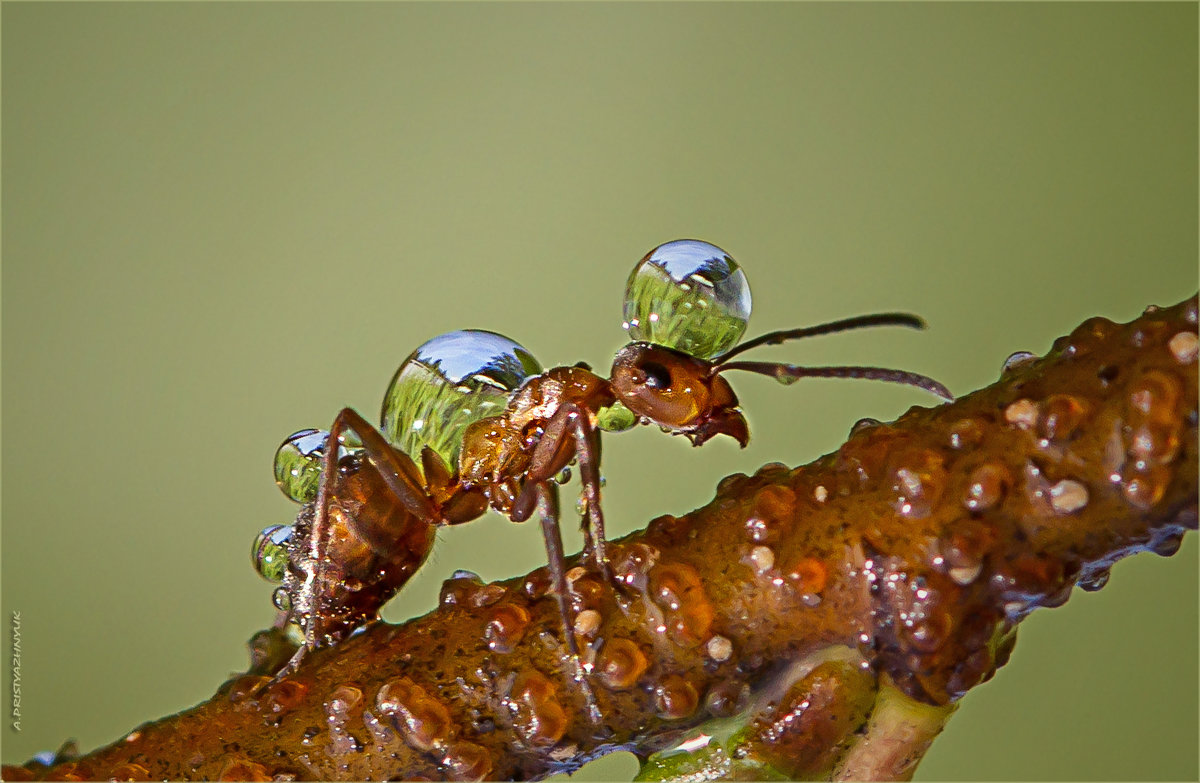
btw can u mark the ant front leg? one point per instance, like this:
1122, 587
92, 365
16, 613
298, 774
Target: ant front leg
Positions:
570, 429
587, 446
395, 475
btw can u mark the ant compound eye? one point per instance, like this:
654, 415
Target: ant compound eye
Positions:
449, 383
690, 296
269, 552
298, 463
657, 376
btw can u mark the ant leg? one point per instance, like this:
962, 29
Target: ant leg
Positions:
587, 447
548, 512
553, 451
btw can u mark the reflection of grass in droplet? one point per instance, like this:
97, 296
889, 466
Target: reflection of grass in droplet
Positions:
444, 409
689, 321
297, 474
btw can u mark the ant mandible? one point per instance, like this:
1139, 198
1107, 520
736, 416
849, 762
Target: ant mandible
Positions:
493, 430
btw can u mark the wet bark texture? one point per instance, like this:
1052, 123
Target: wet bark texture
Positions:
798, 598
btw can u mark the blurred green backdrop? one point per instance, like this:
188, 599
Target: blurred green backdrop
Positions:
189, 191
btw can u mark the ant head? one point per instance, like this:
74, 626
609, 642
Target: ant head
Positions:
678, 392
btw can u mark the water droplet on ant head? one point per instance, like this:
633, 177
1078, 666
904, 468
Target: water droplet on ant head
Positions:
269, 552
298, 463
1017, 361
690, 296
447, 384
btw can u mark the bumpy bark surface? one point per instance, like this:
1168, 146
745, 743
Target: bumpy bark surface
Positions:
906, 559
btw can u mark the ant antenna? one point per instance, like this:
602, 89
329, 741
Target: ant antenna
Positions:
843, 325
790, 373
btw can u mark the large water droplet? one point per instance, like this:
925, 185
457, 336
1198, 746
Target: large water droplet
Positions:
448, 383
269, 552
690, 296
298, 463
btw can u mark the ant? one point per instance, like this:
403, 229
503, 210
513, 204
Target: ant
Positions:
371, 523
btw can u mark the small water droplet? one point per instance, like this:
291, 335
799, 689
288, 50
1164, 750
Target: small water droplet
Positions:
687, 611
864, 424
820, 494
620, 663
987, 486
1146, 488
1061, 416
675, 698
1016, 362
1023, 413
298, 462
1167, 543
719, 648
1067, 496
284, 696
458, 589
1094, 580
466, 761
587, 623
808, 575
540, 718
563, 476
505, 626
784, 378
281, 599
615, 418
762, 558
343, 700
1184, 347
727, 698
690, 296
918, 483
1155, 395
966, 434
421, 719
269, 552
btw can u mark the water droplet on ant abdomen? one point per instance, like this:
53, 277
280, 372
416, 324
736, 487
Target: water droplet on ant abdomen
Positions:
298, 463
449, 383
690, 296
269, 552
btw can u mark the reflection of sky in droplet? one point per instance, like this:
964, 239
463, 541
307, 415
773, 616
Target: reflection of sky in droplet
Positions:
470, 352
707, 265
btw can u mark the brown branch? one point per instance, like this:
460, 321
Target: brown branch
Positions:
902, 562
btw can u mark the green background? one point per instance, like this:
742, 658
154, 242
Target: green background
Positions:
223, 222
